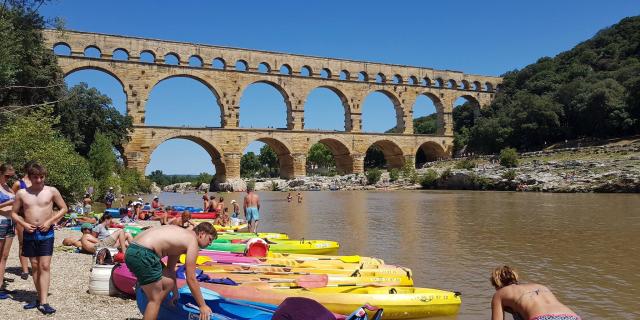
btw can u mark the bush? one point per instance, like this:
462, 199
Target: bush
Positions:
445, 175
481, 183
373, 175
274, 186
466, 164
33, 137
251, 184
509, 175
509, 158
429, 179
408, 170
394, 174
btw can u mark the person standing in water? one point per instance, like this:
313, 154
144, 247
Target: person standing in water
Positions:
19, 185
299, 197
7, 230
252, 209
289, 197
525, 301
37, 203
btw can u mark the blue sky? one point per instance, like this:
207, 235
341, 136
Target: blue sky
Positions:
480, 37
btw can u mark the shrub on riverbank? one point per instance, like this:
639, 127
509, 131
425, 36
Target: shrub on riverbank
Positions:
509, 158
373, 175
429, 179
394, 174
466, 164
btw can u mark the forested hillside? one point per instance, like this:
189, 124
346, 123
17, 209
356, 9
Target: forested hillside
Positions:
592, 90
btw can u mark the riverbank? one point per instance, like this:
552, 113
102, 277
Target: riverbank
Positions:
609, 168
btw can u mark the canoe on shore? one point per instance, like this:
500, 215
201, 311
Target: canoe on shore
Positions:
397, 302
287, 246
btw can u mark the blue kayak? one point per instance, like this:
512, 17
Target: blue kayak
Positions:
223, 309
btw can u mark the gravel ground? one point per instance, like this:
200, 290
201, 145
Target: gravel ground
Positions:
68, 292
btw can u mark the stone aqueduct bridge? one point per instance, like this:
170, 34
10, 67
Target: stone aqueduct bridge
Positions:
228, 71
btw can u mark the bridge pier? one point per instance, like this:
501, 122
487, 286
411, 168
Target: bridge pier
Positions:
231, 165
358, 163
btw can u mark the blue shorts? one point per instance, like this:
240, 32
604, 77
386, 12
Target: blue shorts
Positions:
253, 214
7, 228
38, 244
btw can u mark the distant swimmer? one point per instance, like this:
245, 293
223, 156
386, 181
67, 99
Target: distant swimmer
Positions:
252, 209
525, 301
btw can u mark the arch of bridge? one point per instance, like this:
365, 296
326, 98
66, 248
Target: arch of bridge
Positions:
228, 83
226, 146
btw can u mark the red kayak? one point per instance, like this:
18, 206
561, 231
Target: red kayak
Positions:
194, 215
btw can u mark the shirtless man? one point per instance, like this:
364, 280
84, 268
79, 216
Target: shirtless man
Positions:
183, 221
36, 202
143, 259
252, 209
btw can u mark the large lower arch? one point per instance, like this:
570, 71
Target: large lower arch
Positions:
191, 77
393, 154
214, 153
429, 151
285, 158
341, 154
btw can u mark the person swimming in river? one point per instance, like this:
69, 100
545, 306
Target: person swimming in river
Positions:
525, 301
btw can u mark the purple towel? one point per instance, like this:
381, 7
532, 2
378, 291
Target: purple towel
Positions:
296, 308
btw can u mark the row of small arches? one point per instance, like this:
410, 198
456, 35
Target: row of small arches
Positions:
195, 61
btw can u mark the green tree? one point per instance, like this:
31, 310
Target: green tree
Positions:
320, 156
102, 162
87, 111
249, 165
269, 161
509, 158
33, 137
373, 175
29, 74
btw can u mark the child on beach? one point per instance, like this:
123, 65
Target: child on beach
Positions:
36, 202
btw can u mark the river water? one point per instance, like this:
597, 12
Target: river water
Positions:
585, 247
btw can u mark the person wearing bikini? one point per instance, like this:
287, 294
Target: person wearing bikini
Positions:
525, 300
7, 229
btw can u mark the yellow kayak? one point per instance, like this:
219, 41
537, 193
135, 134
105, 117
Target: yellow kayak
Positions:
382, 271
290, 279
398, 302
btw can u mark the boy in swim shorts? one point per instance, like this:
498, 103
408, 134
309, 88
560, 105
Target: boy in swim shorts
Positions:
36, 202
143, 258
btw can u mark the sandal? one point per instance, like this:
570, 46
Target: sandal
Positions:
24, 275
46, 309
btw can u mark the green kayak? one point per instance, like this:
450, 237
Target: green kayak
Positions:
288, 246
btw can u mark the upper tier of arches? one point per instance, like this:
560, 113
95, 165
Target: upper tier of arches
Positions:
223, 58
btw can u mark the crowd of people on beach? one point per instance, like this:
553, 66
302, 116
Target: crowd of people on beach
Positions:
27, 210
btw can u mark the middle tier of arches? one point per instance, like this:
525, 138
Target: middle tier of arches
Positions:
139, 79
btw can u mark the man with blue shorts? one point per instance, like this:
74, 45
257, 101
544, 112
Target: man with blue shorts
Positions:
36, 203
252, 209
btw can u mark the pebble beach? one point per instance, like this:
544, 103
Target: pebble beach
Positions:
69, 289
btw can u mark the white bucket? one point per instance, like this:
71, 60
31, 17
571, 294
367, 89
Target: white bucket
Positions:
100, 280
235, 222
